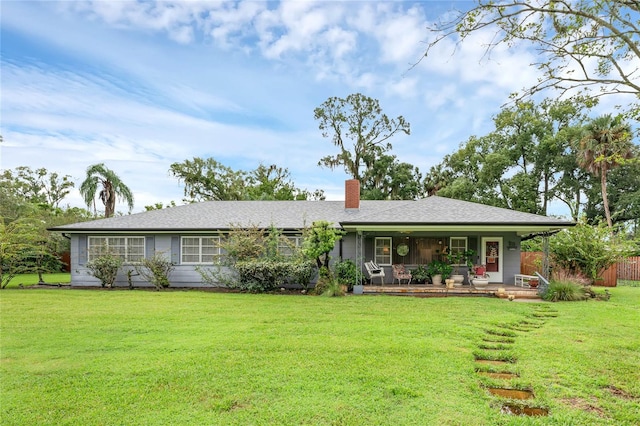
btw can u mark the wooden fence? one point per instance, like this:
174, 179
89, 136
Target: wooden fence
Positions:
629, 269
531, 261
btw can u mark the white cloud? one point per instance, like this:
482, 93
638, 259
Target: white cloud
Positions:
141, 85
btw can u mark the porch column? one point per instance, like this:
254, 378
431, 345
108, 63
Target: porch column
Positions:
359, 256
545, 256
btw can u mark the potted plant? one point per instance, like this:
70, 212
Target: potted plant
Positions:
419, 274
439, 270
480, 276
347, 274
459, 259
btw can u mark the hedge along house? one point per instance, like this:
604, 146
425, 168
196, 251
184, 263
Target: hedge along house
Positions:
425, 229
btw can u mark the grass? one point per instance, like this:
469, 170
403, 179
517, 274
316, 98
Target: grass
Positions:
32, 279
187, 357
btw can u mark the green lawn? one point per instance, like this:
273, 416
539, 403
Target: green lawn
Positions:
187, 357
32, 279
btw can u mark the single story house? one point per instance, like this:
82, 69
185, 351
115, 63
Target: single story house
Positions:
426, 229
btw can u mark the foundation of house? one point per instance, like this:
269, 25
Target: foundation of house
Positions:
428, 290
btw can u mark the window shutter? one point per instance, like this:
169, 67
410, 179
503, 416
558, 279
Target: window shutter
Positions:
472, 244
82, 249
175, 250
149, 247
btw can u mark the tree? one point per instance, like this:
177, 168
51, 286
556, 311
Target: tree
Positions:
582, 44
588, 249
524, 164
160, 205
389, 179
209, 180
623, 194
359, 119
21, 249
36, 186
319, 240
274, 183
98, 175
604, 145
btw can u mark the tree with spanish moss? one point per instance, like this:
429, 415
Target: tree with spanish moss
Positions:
361, 131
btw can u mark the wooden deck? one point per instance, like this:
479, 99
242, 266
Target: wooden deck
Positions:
427, 290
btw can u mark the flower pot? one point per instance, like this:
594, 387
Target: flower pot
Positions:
450, 282
458, 279
358, 289
436, 279
480, 282
533, 283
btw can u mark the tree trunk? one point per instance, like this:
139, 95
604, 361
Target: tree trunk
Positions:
605, 199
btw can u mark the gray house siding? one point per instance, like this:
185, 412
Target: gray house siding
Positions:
167, 245
435, 217
187, 276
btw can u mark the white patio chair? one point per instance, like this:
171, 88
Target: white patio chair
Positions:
374, 271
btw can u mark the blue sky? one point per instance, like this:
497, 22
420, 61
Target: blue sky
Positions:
140, 86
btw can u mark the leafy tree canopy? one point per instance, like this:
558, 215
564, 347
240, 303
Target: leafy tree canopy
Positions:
209, 180
319, 240
361, 131
389, 179
35, 186
524, 164
582, 44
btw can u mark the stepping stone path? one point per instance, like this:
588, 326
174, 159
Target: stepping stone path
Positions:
496, 361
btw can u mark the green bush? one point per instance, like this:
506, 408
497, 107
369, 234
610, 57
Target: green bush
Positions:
156, 270
565, 290
420, 274
261, 275
346, 273
588, 250
327, 285
302, 272
105, 268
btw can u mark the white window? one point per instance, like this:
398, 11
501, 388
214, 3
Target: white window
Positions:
288, 247
457, 245
383, 250
195, 250
130, 249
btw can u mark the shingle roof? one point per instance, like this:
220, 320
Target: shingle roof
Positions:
221, 215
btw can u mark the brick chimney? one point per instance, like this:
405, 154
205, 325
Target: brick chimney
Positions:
352, 194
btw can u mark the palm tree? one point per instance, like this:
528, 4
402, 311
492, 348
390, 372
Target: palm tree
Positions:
112, 186
604, 145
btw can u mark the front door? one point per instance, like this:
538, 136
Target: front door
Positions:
492, 257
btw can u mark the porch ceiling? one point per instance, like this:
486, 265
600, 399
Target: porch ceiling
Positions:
520, 229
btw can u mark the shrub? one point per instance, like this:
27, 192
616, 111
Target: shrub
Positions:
302, 272
105, 268
327, 285
156, 270
346, 273
565, 290
261, 275
587, 249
